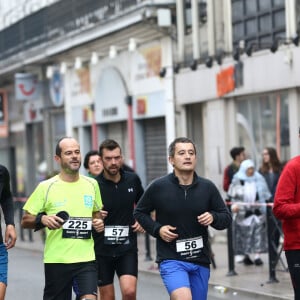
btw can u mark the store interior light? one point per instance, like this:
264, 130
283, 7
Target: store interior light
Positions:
49, 72
78, 63
132, 45
94, 58
63, 67
113, 52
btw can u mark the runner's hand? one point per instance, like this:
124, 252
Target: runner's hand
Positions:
52, 222
103, 213
167, 233
205, 219
98, 224
137, 227
10, 236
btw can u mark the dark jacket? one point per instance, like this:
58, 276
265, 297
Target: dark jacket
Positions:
179, 206
6, 200
119, 200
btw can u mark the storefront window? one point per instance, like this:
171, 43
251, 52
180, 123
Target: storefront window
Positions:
263, 122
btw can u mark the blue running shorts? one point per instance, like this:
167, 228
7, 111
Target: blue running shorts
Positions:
177, 274
3, 264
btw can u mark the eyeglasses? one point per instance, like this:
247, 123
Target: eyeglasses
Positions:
265, 153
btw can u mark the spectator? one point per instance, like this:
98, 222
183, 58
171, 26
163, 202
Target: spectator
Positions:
238, 155
92, 163
185, 206
287, 209
271, 168
249, 192
10, 235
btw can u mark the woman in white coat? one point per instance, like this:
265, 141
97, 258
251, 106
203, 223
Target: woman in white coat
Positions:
248, 193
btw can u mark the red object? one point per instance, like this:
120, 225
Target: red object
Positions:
225, 81
287, 203
141, 106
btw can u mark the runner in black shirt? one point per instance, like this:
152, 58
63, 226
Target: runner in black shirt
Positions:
185, 205
116, 248
9, 239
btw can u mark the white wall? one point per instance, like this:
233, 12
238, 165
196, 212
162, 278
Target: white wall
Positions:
263, 72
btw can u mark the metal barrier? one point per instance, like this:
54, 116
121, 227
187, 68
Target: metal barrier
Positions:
274, 234
274, 247
147, 247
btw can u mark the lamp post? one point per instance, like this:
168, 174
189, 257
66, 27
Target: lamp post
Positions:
128, 100
94, 129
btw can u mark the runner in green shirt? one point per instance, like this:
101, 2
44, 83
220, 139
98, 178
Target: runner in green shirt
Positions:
68, 205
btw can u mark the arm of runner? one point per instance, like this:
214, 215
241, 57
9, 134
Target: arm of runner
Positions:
10, 236
167, 234
97, 222
137, 227
205, 219
103, 213
52, 222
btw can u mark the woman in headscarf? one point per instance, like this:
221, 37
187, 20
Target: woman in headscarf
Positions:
248, 193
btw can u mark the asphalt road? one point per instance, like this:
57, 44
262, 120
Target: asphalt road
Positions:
26, 281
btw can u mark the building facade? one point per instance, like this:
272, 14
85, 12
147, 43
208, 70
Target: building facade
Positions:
144, 72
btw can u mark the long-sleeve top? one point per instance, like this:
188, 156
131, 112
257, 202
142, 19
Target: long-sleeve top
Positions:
272, 180
229, 172
118, 200
6, 200
179, 206
287, 203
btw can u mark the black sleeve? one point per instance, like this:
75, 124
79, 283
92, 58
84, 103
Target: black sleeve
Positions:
140, 189
6, 196
221, 214
142, 212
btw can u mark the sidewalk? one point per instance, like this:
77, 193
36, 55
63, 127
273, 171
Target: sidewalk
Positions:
250, 280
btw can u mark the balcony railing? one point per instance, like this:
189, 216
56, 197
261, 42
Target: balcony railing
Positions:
55, 21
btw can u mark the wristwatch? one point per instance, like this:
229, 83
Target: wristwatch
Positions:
38, 221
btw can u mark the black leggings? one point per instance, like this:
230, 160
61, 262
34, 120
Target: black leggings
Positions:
293, 260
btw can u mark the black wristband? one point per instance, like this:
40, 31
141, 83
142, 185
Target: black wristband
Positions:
38, 221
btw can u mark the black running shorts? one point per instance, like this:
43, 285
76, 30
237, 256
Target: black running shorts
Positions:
60, 278
126, 264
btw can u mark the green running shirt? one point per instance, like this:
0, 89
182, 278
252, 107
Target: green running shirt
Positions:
72, 242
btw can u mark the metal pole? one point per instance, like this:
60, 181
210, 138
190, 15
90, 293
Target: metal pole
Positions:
95, 143
147, 247
272, 252
230, 250
131, 132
